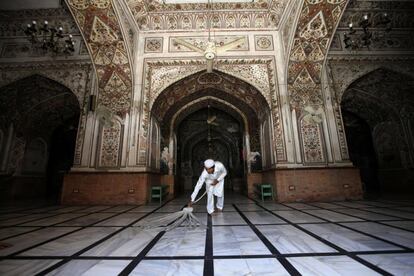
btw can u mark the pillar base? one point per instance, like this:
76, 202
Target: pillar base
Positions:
310, 184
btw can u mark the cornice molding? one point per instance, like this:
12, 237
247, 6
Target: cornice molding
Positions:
155, 16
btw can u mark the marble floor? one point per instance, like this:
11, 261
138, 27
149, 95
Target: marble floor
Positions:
248, 238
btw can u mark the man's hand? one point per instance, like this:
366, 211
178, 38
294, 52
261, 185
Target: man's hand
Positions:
190, 203
215, 181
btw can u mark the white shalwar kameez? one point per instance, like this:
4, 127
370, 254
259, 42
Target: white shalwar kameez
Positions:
216, 190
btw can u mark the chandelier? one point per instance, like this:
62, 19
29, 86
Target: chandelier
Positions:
354, 40
49, 39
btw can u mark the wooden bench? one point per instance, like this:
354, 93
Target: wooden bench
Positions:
159, 192
264, 190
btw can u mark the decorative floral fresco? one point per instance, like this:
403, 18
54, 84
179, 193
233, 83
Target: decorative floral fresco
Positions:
110, 144
155, 15
263, 42
317, 23
102, 32
313, 150
312, 38
201, 42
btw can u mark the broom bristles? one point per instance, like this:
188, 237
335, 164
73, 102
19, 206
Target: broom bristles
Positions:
173, 220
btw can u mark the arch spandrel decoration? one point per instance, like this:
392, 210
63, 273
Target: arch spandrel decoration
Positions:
316, 25
239, 70
101, 30
160, 77
238, 93
257, 72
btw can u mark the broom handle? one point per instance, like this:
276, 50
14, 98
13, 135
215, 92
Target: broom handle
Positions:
205, 192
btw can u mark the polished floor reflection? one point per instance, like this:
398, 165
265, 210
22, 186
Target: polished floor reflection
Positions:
248, 238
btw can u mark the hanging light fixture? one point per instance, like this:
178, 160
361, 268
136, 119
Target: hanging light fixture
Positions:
354, 40
49, 39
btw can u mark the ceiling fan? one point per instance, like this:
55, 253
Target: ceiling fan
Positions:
211, 50
211, 118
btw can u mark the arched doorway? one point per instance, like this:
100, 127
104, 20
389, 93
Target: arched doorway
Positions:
210, 133
40, 117
211, 115
378, 116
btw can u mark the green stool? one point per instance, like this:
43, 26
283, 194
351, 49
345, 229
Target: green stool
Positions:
264, 190
159, 192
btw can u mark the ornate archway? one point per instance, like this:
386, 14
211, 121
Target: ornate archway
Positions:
31, 110
378, 106
242, 108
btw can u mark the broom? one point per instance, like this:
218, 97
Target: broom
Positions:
171, 221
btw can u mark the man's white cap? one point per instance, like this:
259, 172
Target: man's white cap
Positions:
209, 163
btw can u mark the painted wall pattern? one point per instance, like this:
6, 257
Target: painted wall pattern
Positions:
153, 44
102, 32
289, 26
263, 42
313, 149
156, 16
110, 145
201, 41
317, 23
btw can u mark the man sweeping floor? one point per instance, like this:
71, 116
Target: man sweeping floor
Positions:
213, 175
